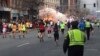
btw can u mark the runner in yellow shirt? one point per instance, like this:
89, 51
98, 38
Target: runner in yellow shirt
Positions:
20, 29
23, 29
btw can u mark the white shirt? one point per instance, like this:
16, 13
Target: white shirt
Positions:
51, 23
58, 23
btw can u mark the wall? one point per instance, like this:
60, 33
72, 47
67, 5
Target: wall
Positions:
89, 5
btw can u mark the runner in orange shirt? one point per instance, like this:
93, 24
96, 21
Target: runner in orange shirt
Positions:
14, 29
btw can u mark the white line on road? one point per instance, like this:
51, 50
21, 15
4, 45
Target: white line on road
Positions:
92, 49
22, 45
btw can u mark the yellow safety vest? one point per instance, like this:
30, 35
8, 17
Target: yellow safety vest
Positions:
87, 24
62, 26
76, 37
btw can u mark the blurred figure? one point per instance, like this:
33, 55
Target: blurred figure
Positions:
31, 25
51, 23
98, 24
68, 25
14, 29
62, 27
74, 41
42, 30
4, 30
58, 23
81, 25
27, 26
10, 27
49, 29
1, 26
56, 33
20, 29
23, 29
89, 28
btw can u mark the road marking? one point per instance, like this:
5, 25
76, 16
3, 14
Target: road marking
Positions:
92, 49
22, 45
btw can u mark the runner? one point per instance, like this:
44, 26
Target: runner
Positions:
27, 26
10, 29
9, 26
23, 29
56, 33
58, 23
81, 25
31, 25
49, 29
62, 27
42, 30
14, 29
4, 30
51, 23
69, 25
20, 29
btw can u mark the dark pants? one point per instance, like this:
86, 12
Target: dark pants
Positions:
56, 36
88, 30
76, 51
62, 30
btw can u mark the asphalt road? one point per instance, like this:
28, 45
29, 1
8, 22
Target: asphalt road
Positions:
30, 46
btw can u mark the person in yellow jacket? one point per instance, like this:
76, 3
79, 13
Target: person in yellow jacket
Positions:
88, 28
62, 27
74, 41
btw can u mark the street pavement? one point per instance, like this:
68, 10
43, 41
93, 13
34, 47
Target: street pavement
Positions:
30, 46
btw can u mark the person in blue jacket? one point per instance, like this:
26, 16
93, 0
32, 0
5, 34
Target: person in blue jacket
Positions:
81, 25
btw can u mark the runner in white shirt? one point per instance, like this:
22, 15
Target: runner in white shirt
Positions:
51, 23
4, 30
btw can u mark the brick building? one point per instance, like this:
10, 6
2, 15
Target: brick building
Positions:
12, 9
72, 4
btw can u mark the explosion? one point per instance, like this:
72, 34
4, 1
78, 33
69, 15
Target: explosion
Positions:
51, 14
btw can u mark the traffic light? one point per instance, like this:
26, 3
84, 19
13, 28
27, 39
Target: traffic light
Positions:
94, 5
84, 5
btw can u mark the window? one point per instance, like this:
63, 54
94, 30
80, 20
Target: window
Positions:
84, 5
94, 5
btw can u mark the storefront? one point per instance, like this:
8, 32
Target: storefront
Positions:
14, 15
5, 14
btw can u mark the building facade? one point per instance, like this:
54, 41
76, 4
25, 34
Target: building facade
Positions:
90, 5
63, 5
12, 9
18, 10
4, 9
52, 3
